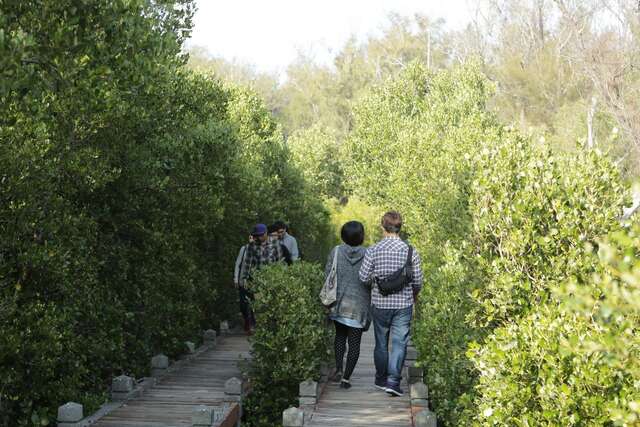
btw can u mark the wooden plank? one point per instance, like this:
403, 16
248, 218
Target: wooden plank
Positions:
363, 405
170, 403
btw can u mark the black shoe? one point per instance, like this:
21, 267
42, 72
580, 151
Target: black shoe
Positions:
381, 384
345, 384
336, 377
394, 390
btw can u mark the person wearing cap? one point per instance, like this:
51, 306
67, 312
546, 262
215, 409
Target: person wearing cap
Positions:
260, 251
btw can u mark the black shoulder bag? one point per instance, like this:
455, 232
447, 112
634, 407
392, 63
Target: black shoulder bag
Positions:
397, 280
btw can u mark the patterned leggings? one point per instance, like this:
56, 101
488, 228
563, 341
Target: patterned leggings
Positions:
353, 335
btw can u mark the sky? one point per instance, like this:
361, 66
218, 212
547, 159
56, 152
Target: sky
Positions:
269, 34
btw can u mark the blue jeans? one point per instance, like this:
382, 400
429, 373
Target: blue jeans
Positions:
398, 322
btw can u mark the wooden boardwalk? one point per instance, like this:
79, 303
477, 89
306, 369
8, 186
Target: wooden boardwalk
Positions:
362, 405
170, 403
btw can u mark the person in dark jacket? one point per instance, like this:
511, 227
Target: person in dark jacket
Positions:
351, 311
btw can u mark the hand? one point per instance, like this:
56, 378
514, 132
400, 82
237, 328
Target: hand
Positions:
236, 284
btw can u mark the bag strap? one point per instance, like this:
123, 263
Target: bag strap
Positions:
409, 262
334, 266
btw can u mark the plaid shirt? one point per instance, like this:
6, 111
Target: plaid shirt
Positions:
260, 254
381, 260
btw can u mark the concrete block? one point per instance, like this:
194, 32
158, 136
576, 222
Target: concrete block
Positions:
293, 417
160, 361
233, 387
224, 328
309, 388
419, 391
159, 365
202, 416
426, 418
209, 337
422, 403
147, 383
307, 401
414, 372
412, 353
122, 384
70, 412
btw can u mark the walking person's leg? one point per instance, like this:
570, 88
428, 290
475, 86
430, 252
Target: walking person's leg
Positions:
340, 346
400, 331
381, 324
252, 316
354, 337
244, 308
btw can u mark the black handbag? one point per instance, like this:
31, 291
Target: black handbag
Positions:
397, 280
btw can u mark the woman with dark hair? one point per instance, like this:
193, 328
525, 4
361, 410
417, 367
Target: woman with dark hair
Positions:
351, 311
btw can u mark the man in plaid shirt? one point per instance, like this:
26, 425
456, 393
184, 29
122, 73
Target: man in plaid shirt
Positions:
391, 313
261, 251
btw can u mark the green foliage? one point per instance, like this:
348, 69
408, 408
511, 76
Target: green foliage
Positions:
575, 363
354, 209
127, 185
499, 219
532, 212
317, 154
291, 338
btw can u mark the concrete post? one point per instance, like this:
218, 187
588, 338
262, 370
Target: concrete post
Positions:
234, 390
121, 388
419, 394
159, 365
233, 387
209, 338
202, 416
325, 370
293, 417
69, 414
414, 374
412, 353
224, 328
308, 393
426, 418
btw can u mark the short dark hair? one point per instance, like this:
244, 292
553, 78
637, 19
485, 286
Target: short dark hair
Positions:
392, 222
272, 229
279, 225
352, 233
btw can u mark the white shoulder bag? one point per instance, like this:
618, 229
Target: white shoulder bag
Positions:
328, 292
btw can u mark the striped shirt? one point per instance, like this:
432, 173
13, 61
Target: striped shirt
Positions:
383, 259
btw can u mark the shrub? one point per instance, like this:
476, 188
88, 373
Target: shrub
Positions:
290, 341
127, 185
500, 221
575, 363
317, 153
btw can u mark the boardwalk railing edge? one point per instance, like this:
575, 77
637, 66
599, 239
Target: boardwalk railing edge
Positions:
421, 416
125, 388
309, 393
